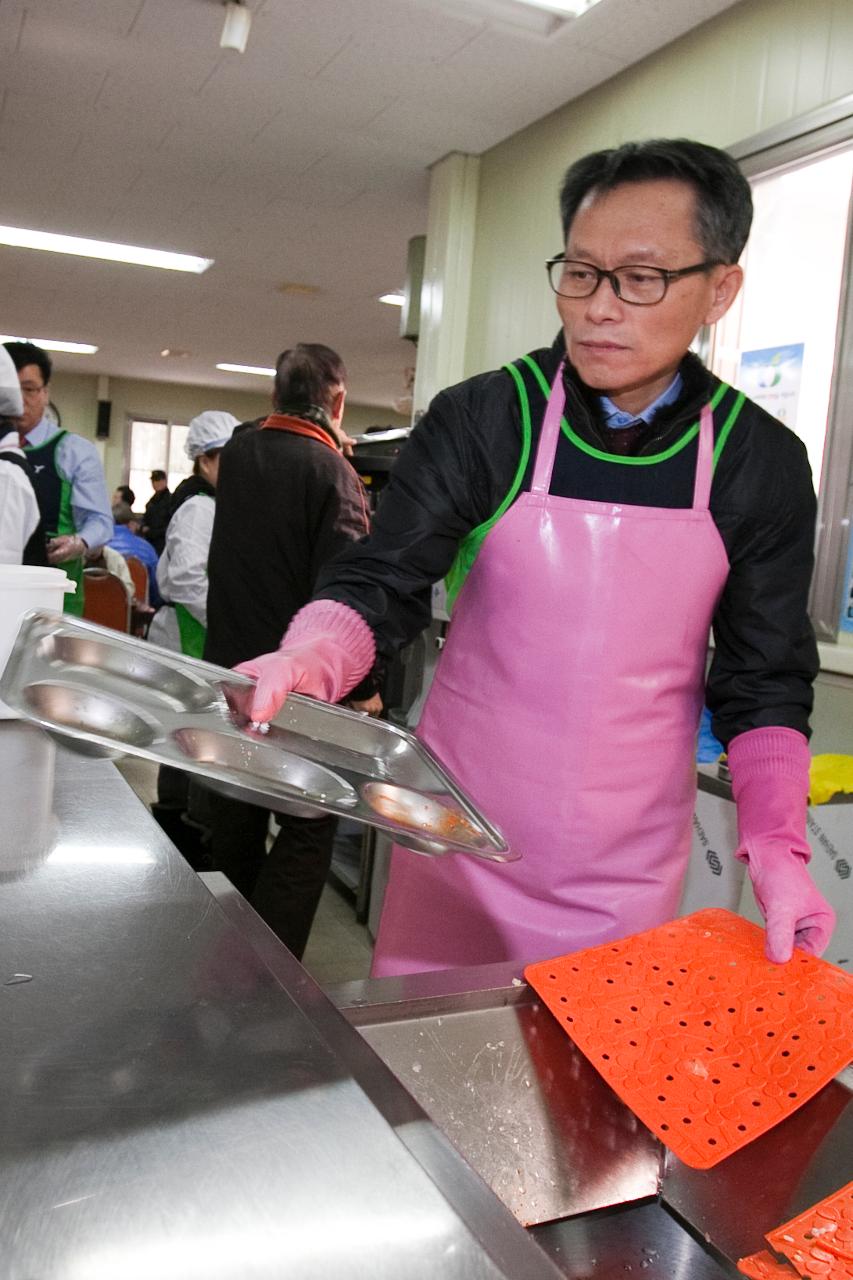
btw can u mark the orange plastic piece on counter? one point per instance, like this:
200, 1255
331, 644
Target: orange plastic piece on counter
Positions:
707, 1041
819, 1242
763, 1266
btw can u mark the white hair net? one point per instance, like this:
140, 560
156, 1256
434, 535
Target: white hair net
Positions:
209, 430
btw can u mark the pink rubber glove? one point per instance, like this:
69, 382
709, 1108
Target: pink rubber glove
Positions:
770, 783
327, 649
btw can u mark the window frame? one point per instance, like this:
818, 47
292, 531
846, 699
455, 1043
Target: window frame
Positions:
821, 131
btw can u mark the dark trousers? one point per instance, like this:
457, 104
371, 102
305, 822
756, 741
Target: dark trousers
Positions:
181, 810
284, 884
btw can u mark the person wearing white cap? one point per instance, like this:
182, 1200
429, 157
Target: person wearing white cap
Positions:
20, 520
182, 570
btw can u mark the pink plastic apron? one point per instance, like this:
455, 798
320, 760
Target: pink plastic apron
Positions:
566, 702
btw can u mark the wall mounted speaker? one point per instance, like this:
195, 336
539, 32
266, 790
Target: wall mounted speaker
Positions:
102, 428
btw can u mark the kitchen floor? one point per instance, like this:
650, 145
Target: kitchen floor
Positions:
339, 948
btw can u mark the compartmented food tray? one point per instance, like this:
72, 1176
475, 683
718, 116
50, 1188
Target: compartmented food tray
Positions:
111, 693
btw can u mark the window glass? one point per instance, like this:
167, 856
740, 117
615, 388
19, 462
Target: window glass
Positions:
156, 446
778, 342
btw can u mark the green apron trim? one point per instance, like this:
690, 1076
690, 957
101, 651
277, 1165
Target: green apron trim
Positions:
469, 547
73, 602
727, 426
191, 631
648, 460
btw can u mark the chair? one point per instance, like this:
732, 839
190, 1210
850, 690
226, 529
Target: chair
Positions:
105, 600
139, 574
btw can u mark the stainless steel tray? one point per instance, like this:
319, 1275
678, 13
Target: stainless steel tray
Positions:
109, 694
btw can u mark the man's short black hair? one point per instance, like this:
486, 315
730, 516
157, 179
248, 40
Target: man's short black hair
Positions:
24, 353
158, 475
723, 196
307, 375
127, 494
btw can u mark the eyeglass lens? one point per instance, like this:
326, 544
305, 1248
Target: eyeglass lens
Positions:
632, 284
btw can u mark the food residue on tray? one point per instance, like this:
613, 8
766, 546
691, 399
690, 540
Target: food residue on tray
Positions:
421, 814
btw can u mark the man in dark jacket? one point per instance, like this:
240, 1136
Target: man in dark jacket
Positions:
287, 502
158, 511
598, 507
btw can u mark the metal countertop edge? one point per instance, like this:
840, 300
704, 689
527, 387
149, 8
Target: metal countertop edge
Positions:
500, 1235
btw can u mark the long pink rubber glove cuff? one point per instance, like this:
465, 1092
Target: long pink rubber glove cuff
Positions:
327, 649
770, 783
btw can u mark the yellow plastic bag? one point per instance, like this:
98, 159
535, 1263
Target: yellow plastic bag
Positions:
828, 775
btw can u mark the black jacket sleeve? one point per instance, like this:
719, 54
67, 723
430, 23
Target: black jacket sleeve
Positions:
765, 657
451, 476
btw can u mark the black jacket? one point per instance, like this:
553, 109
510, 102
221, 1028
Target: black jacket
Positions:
459, 464
158, 512
285, 504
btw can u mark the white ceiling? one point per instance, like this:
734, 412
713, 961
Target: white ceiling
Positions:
303, 159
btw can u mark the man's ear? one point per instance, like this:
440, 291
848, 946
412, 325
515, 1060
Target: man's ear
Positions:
726, 282
338, 405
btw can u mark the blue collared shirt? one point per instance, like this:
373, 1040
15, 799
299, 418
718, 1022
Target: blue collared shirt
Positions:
79, 462
617, 418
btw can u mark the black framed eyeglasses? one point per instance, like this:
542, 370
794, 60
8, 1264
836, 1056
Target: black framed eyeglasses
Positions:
639, 285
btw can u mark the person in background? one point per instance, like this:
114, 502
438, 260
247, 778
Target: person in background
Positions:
287, 502
68, 477
180, 623
124, 493
127, 542
597, 506
182, 570
158, 508
21, 531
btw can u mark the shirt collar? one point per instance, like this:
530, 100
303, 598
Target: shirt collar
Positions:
43, 431
616, 418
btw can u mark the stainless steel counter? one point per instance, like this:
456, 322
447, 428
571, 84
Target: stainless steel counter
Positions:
182, 1101
173, 1108
497, 1073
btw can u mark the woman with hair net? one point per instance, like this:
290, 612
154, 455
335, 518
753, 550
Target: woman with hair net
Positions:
182, 572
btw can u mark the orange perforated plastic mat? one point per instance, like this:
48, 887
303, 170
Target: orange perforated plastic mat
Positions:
763, 1266
819, 1243
703, 1038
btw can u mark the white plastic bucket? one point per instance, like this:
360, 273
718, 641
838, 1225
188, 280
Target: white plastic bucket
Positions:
24, 587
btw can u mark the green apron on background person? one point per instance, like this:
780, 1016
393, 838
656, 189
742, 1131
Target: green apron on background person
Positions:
53, 492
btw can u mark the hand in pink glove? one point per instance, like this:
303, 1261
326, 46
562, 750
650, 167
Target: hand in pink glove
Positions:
770, 783
327, 649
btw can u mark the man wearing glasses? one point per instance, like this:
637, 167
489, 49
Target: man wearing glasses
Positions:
596, 507
67, 473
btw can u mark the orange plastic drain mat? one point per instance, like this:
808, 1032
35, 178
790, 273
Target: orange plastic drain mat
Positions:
703, 1038
763, 1266
819, 1243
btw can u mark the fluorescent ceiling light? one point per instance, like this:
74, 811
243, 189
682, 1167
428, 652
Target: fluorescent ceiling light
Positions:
247, 368
573, 8
393, 299
54, 344
235, 31
22, 238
